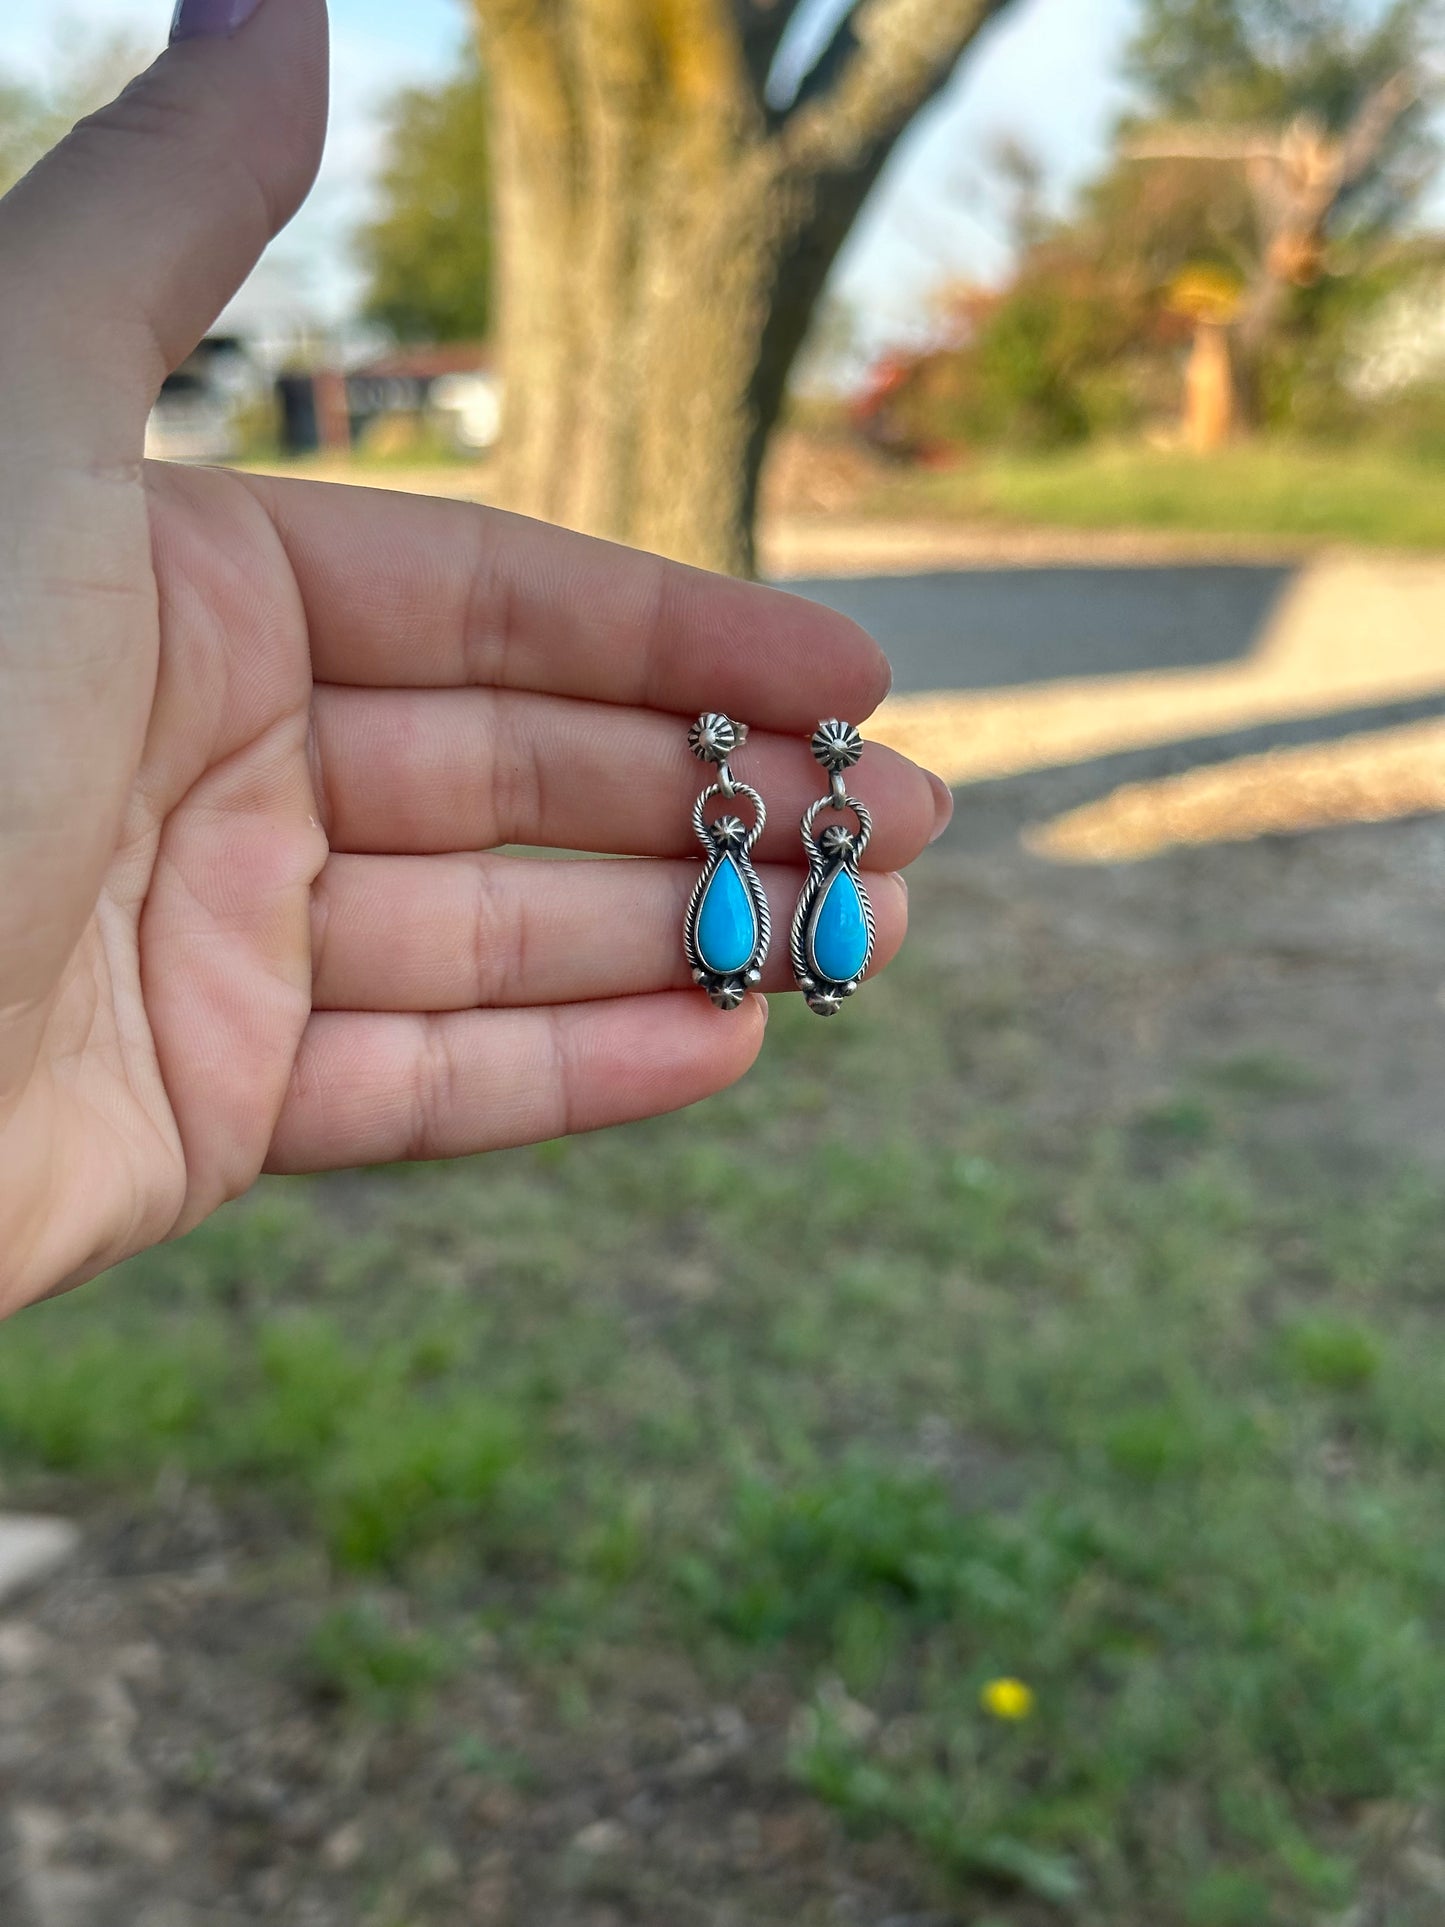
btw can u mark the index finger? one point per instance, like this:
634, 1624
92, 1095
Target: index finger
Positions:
402, 591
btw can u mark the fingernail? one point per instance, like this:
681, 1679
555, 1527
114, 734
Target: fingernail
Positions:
763, 1005
942, 806
209, 19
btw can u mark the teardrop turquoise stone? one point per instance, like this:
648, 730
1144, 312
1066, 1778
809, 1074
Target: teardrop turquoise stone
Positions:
727, 924
838, 937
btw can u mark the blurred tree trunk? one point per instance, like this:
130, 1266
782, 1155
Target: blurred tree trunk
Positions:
1209, 389
664, 234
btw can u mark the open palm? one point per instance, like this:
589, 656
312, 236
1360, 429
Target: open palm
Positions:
260, 741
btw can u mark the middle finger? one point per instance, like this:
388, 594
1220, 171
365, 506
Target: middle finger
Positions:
424, 771
429, 933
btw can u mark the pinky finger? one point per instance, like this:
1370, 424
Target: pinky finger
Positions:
377, 1089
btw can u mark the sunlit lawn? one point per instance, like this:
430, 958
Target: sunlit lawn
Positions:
846, 1376
1267, 489
1288, 491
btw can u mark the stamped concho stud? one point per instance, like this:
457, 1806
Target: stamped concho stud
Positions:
833, 933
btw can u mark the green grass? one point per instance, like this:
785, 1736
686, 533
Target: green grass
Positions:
844, 1376
359, 1655
1277, 489
1287, 491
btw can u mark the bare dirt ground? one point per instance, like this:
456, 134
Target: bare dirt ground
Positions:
165, 1765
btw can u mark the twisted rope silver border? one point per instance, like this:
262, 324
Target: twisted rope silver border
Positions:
727, 989
824, 995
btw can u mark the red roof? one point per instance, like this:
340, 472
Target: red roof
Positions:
426, 361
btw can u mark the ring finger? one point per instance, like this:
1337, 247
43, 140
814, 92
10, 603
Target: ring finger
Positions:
435, 933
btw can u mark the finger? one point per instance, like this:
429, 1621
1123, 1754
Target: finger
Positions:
116, 253
421, 771
467, 932
403, 591
376, 1089
125, 243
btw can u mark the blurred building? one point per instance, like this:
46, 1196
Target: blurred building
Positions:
451, 386
240, 394
1402, 346
197, 414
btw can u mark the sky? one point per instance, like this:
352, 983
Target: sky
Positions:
1045, 74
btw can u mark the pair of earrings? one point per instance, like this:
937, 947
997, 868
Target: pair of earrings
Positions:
727, 929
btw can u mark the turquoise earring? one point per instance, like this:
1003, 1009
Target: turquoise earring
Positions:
726, 931
832, 935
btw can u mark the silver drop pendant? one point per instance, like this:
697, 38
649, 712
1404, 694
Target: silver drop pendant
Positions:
727, 928
833, 932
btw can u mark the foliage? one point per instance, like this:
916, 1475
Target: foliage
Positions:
1084, 340
34, 117
428, 252
1087, 338
1262, 62
1154, 1434
19, 142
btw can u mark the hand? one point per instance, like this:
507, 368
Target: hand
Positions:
256, 737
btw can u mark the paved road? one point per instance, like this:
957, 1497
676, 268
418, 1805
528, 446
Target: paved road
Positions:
1355, 643
1322, 950
985, 628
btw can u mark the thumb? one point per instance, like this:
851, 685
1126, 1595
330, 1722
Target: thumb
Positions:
124, 244
116, 254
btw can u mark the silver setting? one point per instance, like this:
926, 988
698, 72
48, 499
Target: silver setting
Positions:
712, 739
837, 746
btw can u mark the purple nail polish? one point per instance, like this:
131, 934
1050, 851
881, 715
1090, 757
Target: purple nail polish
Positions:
209, 19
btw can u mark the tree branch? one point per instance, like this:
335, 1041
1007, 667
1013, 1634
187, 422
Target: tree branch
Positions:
1370, 129
1302, 149
889, 59
1202, 143
830, 65
761, 25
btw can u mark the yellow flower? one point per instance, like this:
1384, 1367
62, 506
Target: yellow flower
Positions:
1205, 293
1007, 1699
